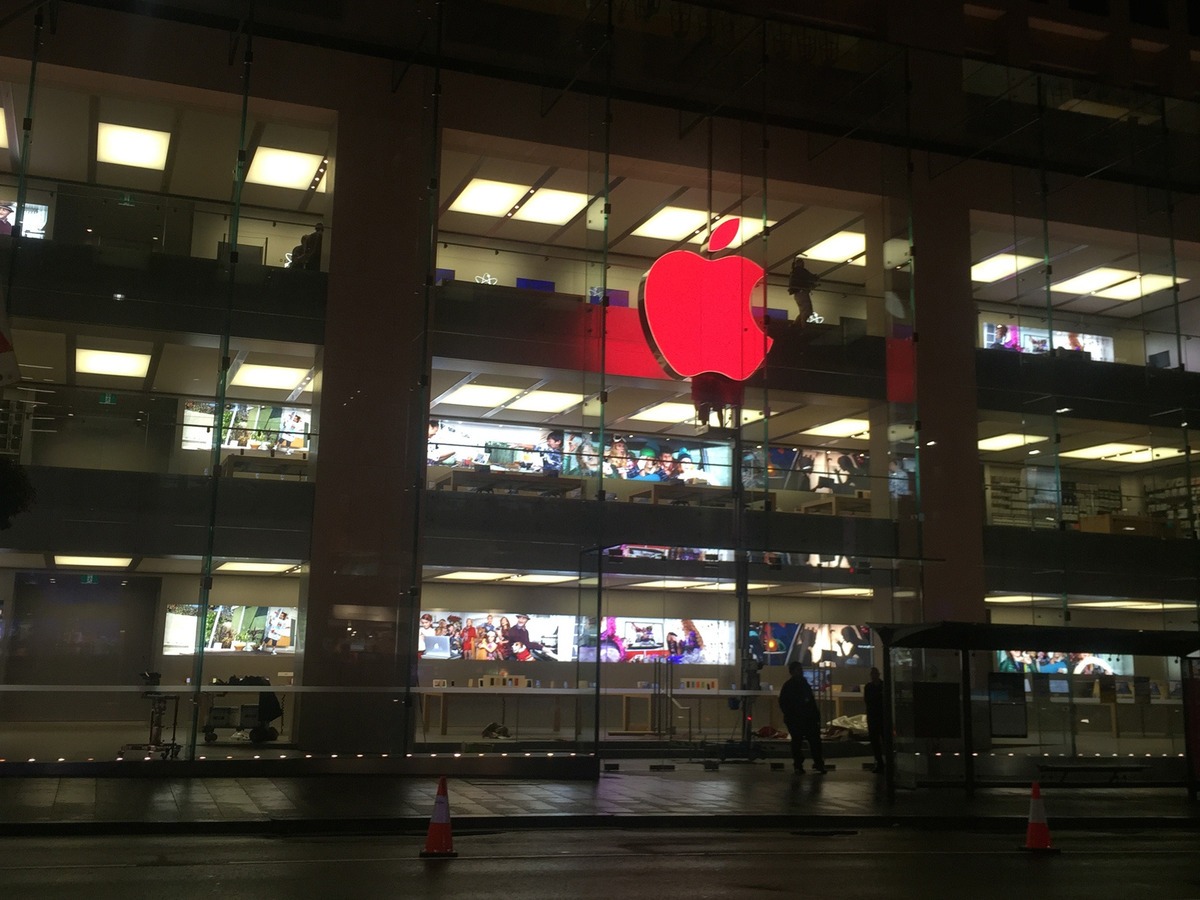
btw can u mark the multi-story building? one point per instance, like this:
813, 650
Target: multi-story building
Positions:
341, 365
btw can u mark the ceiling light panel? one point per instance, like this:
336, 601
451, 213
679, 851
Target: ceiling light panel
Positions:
669, 585
728, 587
1139, 287
110, 362
489, 198
285, 168
280, 378
673, 223
94, 562
1090, 282
3, 131
845, 246
1126, 453
472, 576
540, 579
1009, 441
546, 401
141, 148
551, 207
843, 592
483, 396
843, 428
1002, 265
670, 413
260, 568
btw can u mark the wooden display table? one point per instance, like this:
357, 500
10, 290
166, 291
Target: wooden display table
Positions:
502, 480
1120, 523
281, 466
836, 505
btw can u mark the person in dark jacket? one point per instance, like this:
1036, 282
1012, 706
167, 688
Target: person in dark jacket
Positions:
873, 700
802, 716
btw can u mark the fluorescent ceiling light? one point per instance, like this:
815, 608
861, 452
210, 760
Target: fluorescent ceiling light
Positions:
285, 168
259, 567
746, 230
94, 562
672, 223
486, 396
1095, 108
1139, 287
1002, 265
472, 576
110, 362
845, 246
728, 586
669, 585
1009, 441
670, 412
1020, 598
488, 198
1090, 282
842, 592
3, 131
281, 378
546, 401
138, 147
551, 207
1127, 453
1146, 605
541, 579
843, 428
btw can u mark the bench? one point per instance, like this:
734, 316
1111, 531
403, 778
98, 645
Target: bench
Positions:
1112, 770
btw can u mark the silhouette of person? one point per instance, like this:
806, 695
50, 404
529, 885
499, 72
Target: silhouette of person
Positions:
800, 284
803, 719
873, 699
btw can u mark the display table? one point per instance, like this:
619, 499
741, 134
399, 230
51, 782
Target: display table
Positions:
836, 505
503, 480
281, 466
635, 702
1120, 523
699, 494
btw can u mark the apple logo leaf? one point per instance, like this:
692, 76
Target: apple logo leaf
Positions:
724, 235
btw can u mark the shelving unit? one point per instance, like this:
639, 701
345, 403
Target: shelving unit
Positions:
11, 426
1169, 501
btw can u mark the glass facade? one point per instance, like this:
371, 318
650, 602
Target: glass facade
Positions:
549, 383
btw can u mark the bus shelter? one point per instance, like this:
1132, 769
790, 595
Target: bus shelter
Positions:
977, 704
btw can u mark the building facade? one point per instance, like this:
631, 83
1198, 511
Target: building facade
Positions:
342, 364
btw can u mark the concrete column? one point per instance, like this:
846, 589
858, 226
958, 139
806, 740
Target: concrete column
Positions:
951, 485
365, 572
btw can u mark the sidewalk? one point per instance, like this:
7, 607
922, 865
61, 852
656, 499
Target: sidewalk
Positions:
736, 795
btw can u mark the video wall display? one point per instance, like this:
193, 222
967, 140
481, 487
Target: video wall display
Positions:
650, 639
252, 629
1057, 662
34, 222
517, 637
495, 636
1024, 339
781, 643
250, 426
520, 448
580, 454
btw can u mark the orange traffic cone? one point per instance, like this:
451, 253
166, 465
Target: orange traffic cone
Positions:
1037, 835
439, 843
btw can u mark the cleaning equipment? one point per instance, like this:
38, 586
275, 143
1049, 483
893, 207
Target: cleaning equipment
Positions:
1037, 834
439, 843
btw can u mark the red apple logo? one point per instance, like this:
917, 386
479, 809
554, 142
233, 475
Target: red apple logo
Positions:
697, 312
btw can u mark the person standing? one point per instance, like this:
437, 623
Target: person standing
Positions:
873, 698
802, 716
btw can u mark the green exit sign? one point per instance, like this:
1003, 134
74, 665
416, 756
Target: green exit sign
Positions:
108, 399
89, 579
